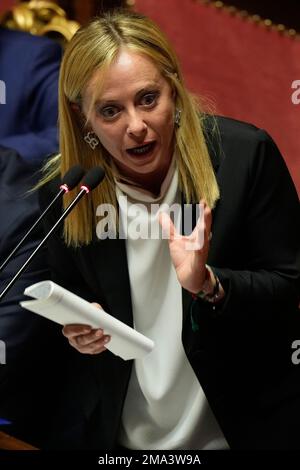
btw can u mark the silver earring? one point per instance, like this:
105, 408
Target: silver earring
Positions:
91, 139
177, 117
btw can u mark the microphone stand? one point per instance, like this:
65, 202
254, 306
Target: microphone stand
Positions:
5, 262
70, 180
84, 190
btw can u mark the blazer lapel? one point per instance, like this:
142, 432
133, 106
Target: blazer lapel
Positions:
108, 260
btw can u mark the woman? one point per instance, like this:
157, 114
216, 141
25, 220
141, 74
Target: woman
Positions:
220, 303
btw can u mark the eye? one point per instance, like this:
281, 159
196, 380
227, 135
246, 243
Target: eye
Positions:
149, 99
108, 112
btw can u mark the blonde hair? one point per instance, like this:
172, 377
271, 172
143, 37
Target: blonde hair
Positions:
96, 46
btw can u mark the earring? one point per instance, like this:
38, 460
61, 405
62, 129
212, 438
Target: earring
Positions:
177, 117
91, 139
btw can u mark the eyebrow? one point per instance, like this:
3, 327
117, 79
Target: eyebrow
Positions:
146, 88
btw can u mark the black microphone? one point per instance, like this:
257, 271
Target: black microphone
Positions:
69, 181
92, 179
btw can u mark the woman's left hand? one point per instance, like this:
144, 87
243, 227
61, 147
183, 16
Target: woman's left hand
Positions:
189, 253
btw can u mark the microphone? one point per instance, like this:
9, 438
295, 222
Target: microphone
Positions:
92, 179
69, 181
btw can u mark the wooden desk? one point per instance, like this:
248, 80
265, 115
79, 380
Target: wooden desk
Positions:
11, 443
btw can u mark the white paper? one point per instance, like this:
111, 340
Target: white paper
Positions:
63, 307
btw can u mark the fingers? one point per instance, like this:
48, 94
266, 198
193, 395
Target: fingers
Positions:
207, 220
203, 226
85, 339
201, 233
94, 344
167, 225
70, 331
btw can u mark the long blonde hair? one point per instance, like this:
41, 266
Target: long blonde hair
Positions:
96, 46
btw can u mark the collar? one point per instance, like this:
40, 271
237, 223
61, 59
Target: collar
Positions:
139, 194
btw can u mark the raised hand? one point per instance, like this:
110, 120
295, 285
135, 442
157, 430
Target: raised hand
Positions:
189, 253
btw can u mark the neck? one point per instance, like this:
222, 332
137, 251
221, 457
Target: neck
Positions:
151, 181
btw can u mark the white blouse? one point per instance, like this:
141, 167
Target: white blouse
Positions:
165, 406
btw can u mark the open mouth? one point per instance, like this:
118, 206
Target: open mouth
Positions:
141, 150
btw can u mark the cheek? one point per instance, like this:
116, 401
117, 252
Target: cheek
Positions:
109, 138
165, 124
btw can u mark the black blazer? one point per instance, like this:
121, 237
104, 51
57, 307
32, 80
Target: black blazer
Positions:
241, 351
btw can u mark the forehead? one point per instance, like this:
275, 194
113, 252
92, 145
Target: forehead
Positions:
129, 72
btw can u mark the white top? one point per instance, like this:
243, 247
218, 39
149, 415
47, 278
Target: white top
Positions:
165, 406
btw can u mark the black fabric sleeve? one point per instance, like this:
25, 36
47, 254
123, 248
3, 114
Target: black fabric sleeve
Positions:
272, 238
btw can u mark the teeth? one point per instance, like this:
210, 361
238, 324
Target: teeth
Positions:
140, 150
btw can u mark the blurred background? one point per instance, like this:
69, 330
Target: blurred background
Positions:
286, 12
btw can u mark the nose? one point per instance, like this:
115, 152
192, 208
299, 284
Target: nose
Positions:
136, 128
